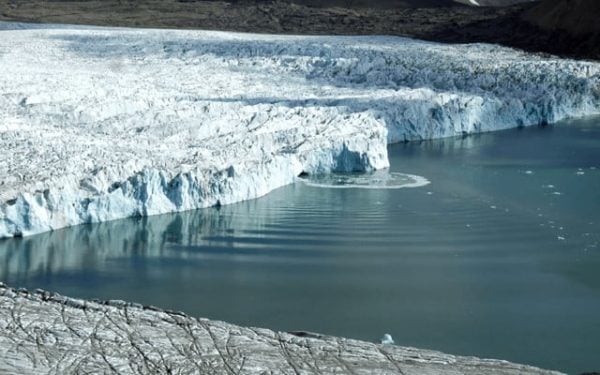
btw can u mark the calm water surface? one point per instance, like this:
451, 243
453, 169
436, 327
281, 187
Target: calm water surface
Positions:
498, 257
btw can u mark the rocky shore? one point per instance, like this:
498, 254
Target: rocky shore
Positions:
47, 333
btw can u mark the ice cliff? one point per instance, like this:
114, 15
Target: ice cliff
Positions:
104, 123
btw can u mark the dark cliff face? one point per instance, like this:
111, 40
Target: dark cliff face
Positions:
568, 28
573, 26
361, 4
386, 4
496, 3
576, 17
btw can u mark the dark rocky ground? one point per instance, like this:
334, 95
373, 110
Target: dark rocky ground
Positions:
437, 20
563, 27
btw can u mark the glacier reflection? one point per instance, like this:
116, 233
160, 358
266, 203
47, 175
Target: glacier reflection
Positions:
86, 245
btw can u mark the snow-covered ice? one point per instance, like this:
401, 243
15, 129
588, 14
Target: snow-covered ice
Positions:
105, 123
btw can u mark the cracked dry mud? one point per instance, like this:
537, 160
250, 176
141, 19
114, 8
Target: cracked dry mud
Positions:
42, 332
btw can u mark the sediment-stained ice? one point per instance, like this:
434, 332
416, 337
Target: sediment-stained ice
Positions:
104, 123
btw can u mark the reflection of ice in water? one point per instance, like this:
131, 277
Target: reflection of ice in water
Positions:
376, 180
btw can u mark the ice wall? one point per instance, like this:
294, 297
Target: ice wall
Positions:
98, 124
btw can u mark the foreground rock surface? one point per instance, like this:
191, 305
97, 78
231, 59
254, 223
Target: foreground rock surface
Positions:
43, 332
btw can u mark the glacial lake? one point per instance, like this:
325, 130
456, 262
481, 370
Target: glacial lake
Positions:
499, 256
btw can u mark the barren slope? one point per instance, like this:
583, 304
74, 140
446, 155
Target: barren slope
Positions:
576, 17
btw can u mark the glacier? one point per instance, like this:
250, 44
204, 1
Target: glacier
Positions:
100, 123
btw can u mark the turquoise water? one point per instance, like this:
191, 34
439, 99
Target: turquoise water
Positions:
499, 256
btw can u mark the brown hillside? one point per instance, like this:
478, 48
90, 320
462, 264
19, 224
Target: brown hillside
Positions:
562, 27
577, 17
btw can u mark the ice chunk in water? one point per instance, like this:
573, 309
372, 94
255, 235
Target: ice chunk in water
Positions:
377, 180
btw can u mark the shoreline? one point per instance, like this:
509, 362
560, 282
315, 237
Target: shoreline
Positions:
45, 331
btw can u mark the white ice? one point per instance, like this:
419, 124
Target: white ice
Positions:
387, 339
104, 123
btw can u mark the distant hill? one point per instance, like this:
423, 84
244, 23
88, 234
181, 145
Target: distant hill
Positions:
577, 17
573, 26
569, 28
391, 4
365, 4
562, 27
493, 3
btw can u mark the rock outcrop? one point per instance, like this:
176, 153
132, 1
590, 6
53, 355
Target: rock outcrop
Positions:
576, 17
571, 26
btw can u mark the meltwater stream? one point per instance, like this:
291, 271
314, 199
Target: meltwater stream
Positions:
499, 256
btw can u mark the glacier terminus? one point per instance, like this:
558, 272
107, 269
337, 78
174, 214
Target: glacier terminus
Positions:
100, 123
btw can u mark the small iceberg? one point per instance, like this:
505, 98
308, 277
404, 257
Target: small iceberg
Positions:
387, 339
